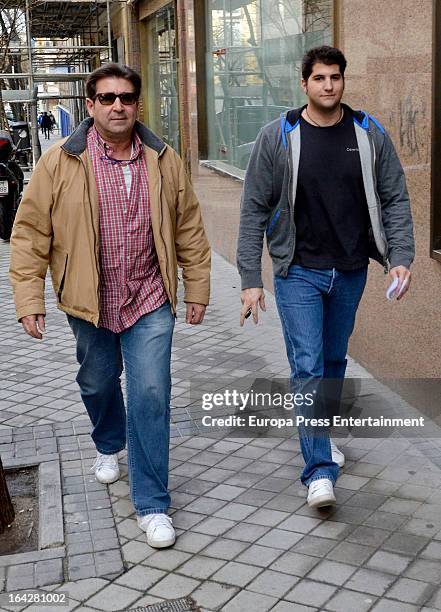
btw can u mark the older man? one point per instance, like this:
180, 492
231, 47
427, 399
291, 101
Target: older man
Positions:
111, 211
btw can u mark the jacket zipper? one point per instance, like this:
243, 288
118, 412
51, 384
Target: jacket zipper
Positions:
377, 198
290, 202
160, 226
95, 237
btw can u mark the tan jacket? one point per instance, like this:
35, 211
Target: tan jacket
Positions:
57, 224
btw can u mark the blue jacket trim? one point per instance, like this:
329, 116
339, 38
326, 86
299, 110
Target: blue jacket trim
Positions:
286, 130
365, 123
273, 222
378, 124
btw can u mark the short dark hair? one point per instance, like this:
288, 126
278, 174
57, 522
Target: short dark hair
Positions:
112, 69
324, 55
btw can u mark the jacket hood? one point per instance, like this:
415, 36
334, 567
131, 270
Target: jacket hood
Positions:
77, 141
291, 119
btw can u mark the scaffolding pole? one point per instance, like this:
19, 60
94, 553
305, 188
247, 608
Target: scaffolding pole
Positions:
36, 148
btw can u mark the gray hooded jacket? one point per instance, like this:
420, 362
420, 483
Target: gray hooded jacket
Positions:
270, 188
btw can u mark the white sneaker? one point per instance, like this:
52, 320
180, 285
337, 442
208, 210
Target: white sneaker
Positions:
159, 530
321, 493
106, 468
337, 455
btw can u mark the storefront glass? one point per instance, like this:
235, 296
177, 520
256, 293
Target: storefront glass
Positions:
162, 86
254, 57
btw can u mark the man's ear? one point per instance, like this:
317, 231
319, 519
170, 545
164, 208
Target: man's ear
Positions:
304, 86
90, 105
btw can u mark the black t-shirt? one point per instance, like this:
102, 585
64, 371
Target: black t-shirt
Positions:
331, 214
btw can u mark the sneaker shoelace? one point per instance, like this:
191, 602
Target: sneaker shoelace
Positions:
316, 485
159, 520
104, 461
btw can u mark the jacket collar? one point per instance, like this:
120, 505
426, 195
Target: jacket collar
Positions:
293, 115
77, 141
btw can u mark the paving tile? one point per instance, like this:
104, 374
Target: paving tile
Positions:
411, 591
365, 534
422, 569
279, 538
167, 559
205, 505
214, 596
348, 601
247, 532
331, 572
387, 605
247, 600
332, 529
294, 564
370, 581
174, 586
140, 577
201, 567
422, 527
261, 556
286, 606
400, 506
113, 597
432, 551
135, 552
311, 545
267, 518
310, 593
225, 492
192, 542
406, 543
355, 554
237, 574
235, 511
214, 526
388, 562
83, 589
300, 524
224, 549
385, 520
272, 583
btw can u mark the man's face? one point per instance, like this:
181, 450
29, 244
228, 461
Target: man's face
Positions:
324, 86
115, 121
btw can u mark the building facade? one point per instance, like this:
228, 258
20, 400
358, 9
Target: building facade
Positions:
215, 71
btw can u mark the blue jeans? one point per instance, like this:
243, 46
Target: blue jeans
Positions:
145, 351
317, 309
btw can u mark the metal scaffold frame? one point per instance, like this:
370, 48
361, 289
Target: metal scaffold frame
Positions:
49, 41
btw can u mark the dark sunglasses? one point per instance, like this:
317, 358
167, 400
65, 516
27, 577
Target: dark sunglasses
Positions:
107, 99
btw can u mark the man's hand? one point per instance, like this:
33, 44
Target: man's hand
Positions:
251, 299
404, 278
195, 313
34, 325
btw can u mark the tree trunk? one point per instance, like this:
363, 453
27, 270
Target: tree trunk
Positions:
7, 513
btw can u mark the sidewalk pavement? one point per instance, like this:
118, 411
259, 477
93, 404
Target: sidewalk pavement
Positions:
247, 541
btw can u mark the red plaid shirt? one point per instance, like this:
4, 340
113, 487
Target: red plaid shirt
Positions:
131, 284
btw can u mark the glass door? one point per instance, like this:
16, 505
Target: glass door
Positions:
162, 89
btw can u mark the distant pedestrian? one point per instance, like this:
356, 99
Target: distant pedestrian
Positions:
46, 125
53, 121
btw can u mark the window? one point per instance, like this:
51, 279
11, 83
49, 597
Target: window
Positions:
254, 54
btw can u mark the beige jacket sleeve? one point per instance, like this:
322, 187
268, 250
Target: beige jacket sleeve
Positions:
192, 248
31, 243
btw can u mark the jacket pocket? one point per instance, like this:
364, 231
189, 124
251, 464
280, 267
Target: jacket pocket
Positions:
63, 278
